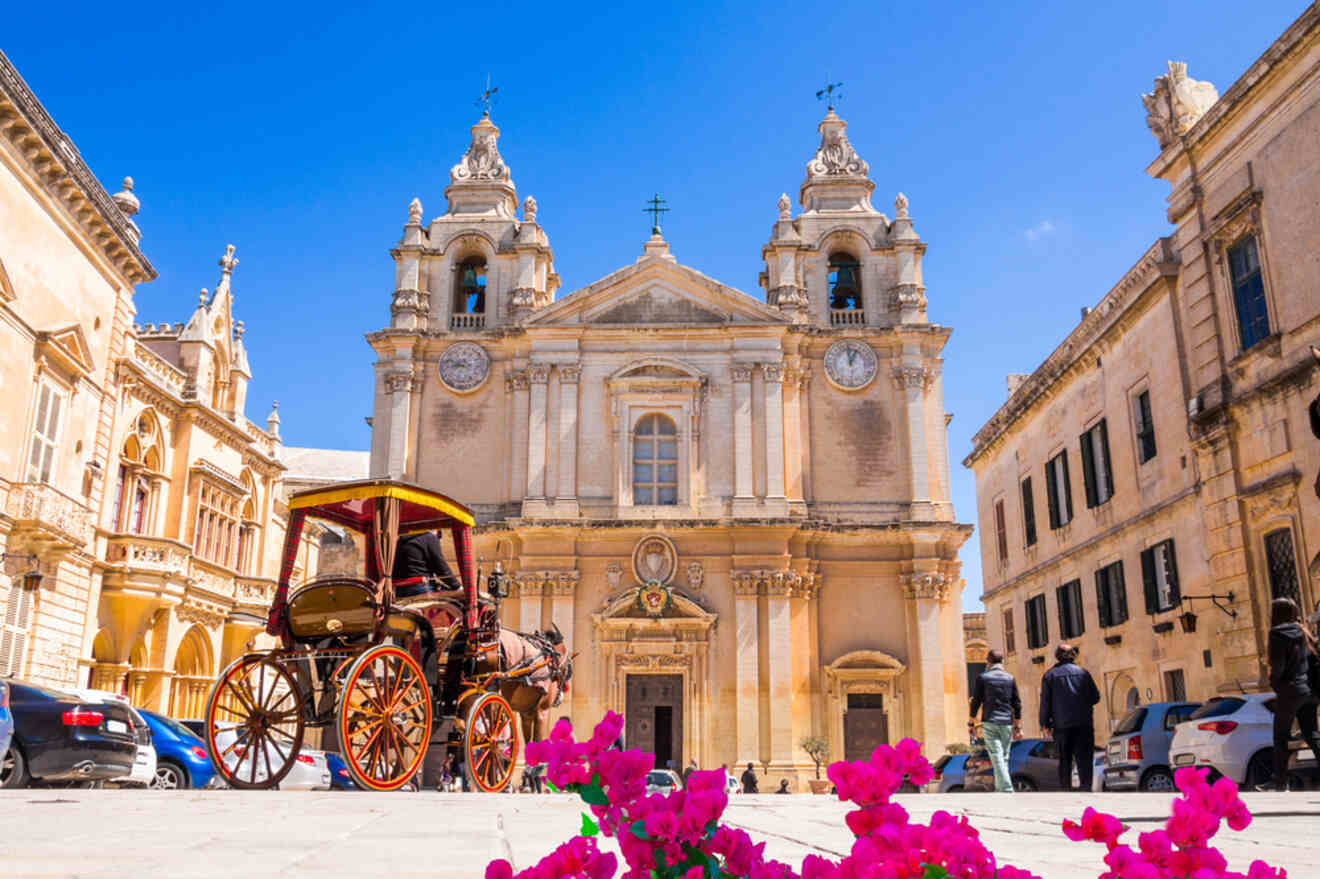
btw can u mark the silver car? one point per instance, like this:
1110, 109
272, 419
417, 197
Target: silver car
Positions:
1138, 754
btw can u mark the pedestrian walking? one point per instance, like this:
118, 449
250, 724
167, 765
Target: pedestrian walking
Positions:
995, 694
749, 780
688, 770
1294, 669
1068, 697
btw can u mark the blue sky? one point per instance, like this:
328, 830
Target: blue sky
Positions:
300, 133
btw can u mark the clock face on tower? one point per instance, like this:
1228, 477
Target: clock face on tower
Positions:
464, 366
850, 364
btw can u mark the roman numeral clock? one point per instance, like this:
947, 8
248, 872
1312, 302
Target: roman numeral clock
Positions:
850, 365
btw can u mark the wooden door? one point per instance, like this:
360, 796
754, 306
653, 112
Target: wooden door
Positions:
655, 701
865, 725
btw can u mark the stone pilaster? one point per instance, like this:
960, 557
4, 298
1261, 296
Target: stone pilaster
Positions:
563, 589
779, 588
531, 589
746, 590
926, 594
399, 387
517, 384
913, 380
744, 500
775, 493
538, 374
566, 498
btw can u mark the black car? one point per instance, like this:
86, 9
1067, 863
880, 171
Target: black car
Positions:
61, 738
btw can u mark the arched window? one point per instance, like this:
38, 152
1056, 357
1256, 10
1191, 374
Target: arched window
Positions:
470, 287
655, 461
845, 282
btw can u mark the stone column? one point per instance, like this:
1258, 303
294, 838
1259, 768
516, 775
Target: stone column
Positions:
515, 383
746, 588
539, 376
925, 594
399, 385
566, 498
913, 380
742, 439
531, 588
564, 589
779, 588
774, 434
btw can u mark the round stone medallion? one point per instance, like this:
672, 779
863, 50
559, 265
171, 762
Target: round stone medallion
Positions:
850, 364
464, 366
654, 559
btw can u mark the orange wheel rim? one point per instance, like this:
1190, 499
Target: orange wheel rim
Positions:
491, 744
259, 702
384, 719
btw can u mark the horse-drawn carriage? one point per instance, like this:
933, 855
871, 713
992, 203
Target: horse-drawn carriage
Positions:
381, 675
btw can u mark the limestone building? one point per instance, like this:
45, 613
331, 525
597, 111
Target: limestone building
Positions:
736, 509
1161, 454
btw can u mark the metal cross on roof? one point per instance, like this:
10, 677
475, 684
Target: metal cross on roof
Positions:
487, 97
655, 210
831, 94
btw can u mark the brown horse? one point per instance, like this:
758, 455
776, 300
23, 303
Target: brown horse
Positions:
534, 693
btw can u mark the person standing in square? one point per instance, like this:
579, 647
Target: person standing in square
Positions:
996, 696
1068, 697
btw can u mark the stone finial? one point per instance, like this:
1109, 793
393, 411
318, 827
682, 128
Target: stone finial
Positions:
901, 207
835, 157
785, 207
415, 212
1176, 103
228, 262
239, 329
126, 200
529, 210
202, 296
273, 420
482, 160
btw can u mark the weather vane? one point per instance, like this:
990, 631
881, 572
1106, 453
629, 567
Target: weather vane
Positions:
832, 93
487, 97
655, 210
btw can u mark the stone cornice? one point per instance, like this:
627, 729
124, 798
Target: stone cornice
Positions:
1158, 261
56, 162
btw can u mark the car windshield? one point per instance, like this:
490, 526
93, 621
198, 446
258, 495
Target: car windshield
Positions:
1131, 722
658, 778
1218, 708
174, 726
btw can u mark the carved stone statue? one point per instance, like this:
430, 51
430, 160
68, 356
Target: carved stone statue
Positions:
529, 210
482, 160
785, 207
901, 207
1177, 103
836, 156
415, 212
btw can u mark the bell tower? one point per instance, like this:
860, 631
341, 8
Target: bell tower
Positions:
476, 267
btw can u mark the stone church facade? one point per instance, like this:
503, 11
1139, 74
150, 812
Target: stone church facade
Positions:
736, 509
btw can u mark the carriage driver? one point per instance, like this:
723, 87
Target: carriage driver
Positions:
419, 557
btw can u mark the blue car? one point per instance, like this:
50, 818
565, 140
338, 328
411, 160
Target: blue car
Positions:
181, 758
339, 777
6, 721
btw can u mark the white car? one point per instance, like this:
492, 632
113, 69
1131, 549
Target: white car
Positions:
663, 781
310, 771
144, 764
731, 785
1230, 735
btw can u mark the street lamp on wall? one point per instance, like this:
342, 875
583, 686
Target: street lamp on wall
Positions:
31, 578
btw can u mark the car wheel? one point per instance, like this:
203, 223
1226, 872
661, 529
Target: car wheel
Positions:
1159, 780
955, 789
1024, 784
169, 777
1260, 768
13, 770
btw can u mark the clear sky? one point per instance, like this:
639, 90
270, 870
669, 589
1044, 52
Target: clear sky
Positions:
300, 132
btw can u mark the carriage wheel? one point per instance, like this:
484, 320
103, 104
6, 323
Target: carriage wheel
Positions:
254, 723
490, 744
384, 718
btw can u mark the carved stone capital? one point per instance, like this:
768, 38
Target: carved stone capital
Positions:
563, 583
570, 373
746, 584
396, 382
908, 296
538, 373
930, 586
913, 377
411, 302
773, 372
531, 584
741, 373
516, 380
522, 297
788, 297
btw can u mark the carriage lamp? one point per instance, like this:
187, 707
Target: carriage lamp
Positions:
498, 583
32, 576
1188, 619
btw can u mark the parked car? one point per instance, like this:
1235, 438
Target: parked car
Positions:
6, 720
663, 781
339, 777
731, 784
1138, 752
948, 776
144, 762
198, 727
310, 771
1229, 735
1033, 765
60, 738
181, 758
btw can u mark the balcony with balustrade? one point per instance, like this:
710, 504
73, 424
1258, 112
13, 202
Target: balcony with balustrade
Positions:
473, 321
48, 517
847, 317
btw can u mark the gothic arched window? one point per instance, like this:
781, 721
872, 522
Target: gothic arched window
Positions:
845, 282
655, 461
470, 287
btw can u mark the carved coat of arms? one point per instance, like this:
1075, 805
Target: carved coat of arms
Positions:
654, 598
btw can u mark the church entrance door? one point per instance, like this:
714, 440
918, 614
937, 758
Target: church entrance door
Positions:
865, 725
653, 717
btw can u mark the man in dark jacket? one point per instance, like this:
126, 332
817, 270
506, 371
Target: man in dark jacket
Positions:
1291, 648
749, 780
1068, 697
996, 695
420, 555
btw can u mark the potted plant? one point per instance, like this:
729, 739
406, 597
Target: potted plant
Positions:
818, 749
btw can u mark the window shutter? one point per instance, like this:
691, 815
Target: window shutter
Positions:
1104, 451
1088, 470
1028, 513
1102, 596
1118, 586
1171, 572
1052, 494
1061, 599
1065, 505
1148, 580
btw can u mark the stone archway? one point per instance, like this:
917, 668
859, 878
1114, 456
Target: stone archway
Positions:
866, 682
194, 671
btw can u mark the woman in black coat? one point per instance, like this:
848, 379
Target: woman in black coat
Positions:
1292, 649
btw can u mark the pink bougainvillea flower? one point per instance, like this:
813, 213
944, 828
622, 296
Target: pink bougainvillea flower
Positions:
1095, 826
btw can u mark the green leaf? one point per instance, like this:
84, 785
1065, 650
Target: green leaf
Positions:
934, 872
638, 829
551, 785
593, 795
589, 827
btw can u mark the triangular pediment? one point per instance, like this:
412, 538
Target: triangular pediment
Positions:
7, 293
657, 292
682, 606
68, 346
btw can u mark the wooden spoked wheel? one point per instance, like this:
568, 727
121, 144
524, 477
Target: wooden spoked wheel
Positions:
384, 718
490, 744
254, 723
